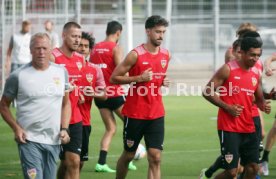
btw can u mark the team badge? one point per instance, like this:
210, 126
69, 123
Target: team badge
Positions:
89, 77
229, 158
32, 173
56, 80
130, 143
163, 63
254, 81
79, 65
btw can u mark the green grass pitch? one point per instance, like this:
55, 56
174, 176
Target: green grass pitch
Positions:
191, 143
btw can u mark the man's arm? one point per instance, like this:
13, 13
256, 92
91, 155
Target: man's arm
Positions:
118, 75
228, 56
262, 104
210, 94
65, 118
8, 59
267, 65
100, 91
118, 55
19, 133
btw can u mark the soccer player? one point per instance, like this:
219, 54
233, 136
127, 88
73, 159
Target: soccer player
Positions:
107, 55
144, 111
67, 56
243, 28
49, 29
237, 82
271, 137
92, 76
43, 113
18, 53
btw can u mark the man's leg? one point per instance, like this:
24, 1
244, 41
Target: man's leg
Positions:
31, 157
86, 130
50, 158
154, 159
213, 168
70, 154
122, 164
72, 161
250, 171
270, 140
110, 129
227, 174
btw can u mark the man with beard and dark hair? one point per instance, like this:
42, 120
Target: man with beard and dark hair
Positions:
143, 110
67, 56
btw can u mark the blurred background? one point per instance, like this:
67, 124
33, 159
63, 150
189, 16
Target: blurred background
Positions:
199, 33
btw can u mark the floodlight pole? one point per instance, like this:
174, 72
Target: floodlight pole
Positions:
129, 24
2, 45
168, 17
23, 10
216, 34
13, 16
78, 9
149, 8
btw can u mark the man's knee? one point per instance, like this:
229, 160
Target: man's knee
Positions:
231, 173
252, 169
154, 158
72, 160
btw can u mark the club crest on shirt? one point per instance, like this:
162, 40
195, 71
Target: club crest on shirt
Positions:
163, 63
56, 80
229, 158
89, 77
32, 173
79, 65
130, 143
254, 81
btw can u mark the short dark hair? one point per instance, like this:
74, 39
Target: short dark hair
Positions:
236, 44
90, 38
156, 20
251, 40
113, 27
69, 25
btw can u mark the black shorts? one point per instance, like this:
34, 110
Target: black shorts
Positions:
238, 145
151, 130
86, 130
110, 103
258, 127
74, 145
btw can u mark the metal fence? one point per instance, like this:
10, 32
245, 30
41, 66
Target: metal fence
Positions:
191, 38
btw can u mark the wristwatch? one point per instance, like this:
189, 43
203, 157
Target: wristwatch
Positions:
65, 129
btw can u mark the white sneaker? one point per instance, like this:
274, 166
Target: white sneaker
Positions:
202, 174
265, 170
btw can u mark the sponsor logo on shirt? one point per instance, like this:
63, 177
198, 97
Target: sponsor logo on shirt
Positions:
237, 77
235, 89
145, 63
102, 65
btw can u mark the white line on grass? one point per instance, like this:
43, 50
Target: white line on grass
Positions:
117, 156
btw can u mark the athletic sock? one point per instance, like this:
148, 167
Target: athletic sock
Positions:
211, 170
102, 158
265, 155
